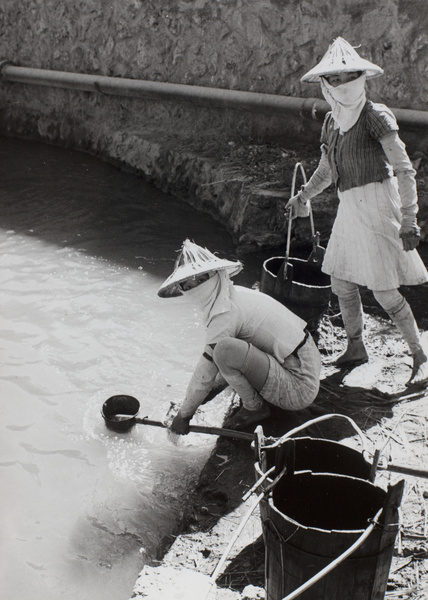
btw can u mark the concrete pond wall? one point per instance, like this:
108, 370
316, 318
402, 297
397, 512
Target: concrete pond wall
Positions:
202, 154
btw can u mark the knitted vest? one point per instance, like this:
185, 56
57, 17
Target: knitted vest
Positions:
357, 157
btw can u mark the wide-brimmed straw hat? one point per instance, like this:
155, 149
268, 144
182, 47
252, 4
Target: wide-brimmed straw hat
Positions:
341, 57
194, 260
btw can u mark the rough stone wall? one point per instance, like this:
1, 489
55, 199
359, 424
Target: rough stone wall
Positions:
250, 45
259, 45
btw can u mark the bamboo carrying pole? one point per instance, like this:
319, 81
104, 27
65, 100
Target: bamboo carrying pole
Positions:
217, 571
405, 470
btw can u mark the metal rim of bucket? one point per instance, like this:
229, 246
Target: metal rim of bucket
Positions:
290, 261
350, 462
368, 485
122, 405
303, 263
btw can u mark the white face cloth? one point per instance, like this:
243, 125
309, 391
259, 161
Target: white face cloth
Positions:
346, 100
213, 296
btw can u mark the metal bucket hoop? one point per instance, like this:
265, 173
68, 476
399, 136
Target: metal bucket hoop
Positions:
308, 285
325, 519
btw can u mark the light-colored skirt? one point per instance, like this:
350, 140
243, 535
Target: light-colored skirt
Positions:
364, 245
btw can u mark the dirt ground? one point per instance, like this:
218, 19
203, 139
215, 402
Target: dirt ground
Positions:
392, 417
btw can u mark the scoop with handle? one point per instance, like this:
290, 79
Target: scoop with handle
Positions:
120, 415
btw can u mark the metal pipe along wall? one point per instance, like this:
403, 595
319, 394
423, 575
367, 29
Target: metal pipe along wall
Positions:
311, 108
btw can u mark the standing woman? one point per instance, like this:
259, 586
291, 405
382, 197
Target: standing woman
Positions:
375, 232
258, 346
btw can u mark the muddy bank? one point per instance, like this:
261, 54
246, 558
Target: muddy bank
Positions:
243, 185
392, 417
374, 395
246, 186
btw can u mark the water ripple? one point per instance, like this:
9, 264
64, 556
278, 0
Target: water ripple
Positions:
83, 250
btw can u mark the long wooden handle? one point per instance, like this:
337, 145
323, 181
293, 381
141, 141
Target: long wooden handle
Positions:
231, 433
249, 437
414, 472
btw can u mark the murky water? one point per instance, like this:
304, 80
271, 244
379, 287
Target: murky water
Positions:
83, 250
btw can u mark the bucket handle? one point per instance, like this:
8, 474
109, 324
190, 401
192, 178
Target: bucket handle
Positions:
287, 435
293, 191
334, 563
297, 166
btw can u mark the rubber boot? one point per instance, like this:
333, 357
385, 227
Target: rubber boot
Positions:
254, 410
406, 324
250, 398
353, 321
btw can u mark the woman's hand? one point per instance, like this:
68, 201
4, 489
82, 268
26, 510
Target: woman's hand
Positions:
410, 237
297, 206
180, 424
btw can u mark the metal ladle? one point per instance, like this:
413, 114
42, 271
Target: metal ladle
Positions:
120, 415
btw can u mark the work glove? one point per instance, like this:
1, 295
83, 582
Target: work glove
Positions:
180, 425
410, 236
297, 206
395, 151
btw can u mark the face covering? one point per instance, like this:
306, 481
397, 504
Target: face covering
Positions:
346, 100
213, 296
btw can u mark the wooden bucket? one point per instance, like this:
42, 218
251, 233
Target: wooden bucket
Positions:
299, 284
305, 291
320, 506
312, 518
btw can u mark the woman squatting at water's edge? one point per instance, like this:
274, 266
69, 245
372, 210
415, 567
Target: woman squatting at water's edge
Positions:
254, 343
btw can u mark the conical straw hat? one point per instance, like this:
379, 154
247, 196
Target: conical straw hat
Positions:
341, 58
194, 260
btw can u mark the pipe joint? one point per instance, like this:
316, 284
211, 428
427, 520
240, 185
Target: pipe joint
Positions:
3, 64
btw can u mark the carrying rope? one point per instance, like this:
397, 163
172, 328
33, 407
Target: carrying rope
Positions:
334, 563
241, 526
292, 432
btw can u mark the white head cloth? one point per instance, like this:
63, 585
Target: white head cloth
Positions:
213, 296
346, 100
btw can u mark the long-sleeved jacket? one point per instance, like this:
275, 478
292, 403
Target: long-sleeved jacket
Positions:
254, 317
